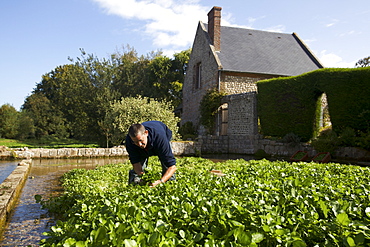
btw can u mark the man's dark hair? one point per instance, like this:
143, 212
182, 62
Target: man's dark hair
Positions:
136, 129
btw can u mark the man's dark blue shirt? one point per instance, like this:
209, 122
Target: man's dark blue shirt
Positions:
159, 136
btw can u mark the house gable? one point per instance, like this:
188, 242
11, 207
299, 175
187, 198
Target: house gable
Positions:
201, 75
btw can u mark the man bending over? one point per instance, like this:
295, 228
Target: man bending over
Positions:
149, 139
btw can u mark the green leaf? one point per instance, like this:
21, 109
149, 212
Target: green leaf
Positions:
280, 232
343, 219
242, 237
199, 236
182, 233
130, 243
367, 211
324, 208
299, 243
257, 237
351, 242
80, 244
154, 238
266, 228
38, 198
100, 234
69, 242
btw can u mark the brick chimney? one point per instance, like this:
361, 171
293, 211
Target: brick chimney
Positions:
214, 27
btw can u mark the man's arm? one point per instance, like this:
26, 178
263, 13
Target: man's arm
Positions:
138, 168
170, 171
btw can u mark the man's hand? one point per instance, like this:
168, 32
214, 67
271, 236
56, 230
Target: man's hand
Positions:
155, 183
138, 169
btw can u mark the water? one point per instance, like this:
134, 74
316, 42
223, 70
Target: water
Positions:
6, 167
29, 221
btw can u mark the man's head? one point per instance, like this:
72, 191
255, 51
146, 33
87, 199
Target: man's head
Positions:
138, 135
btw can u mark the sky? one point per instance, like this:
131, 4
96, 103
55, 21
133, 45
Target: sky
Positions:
37, 36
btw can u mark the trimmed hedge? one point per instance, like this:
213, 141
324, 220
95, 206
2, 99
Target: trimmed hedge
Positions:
289, 104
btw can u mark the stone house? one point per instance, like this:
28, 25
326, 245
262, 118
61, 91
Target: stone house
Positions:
232, 60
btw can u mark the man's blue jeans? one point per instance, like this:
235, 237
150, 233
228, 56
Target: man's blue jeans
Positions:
133, 178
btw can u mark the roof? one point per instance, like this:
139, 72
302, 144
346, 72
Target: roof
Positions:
255, 51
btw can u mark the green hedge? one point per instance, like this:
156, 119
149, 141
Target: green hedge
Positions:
288, 105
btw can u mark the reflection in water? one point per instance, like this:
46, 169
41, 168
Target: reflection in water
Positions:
28, 220
6, 167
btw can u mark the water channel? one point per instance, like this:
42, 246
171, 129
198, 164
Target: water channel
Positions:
29, 221
6, 167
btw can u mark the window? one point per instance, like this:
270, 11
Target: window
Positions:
224, 115
198, 75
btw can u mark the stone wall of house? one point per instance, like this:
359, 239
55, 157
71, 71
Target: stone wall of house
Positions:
202, 53
242, 114
236, 83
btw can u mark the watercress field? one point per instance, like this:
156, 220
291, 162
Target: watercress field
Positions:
257, 203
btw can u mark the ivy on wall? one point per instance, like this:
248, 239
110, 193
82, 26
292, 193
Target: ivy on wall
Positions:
289, 105
208, 108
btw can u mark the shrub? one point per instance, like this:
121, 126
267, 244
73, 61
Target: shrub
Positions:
327, 141
364, 141
139, 109
291, 139
348, 137
187, 131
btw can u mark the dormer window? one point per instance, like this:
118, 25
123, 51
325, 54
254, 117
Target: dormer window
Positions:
198, 75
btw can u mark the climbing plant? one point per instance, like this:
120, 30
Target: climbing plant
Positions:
209, 105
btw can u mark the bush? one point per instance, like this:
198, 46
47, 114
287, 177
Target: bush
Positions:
133, 110
364, 141
327, 141
187, 131
348, 137
260, 153
291, 139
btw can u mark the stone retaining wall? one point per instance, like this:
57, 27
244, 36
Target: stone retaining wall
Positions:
251, 144
179, 148
10, 190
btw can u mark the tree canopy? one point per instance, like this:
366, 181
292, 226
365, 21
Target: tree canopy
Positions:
365, 62
74, 100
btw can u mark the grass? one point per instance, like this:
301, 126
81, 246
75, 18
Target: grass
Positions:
49, 143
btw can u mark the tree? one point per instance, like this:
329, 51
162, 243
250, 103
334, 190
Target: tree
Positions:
73, 99
365, 62
138, 109
131, 72
81, 93
8, 121
46, 118
26, 127
166, 77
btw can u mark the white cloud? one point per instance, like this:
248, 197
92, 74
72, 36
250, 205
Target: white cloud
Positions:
332, 23
349, 33
171, 24
332, 60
